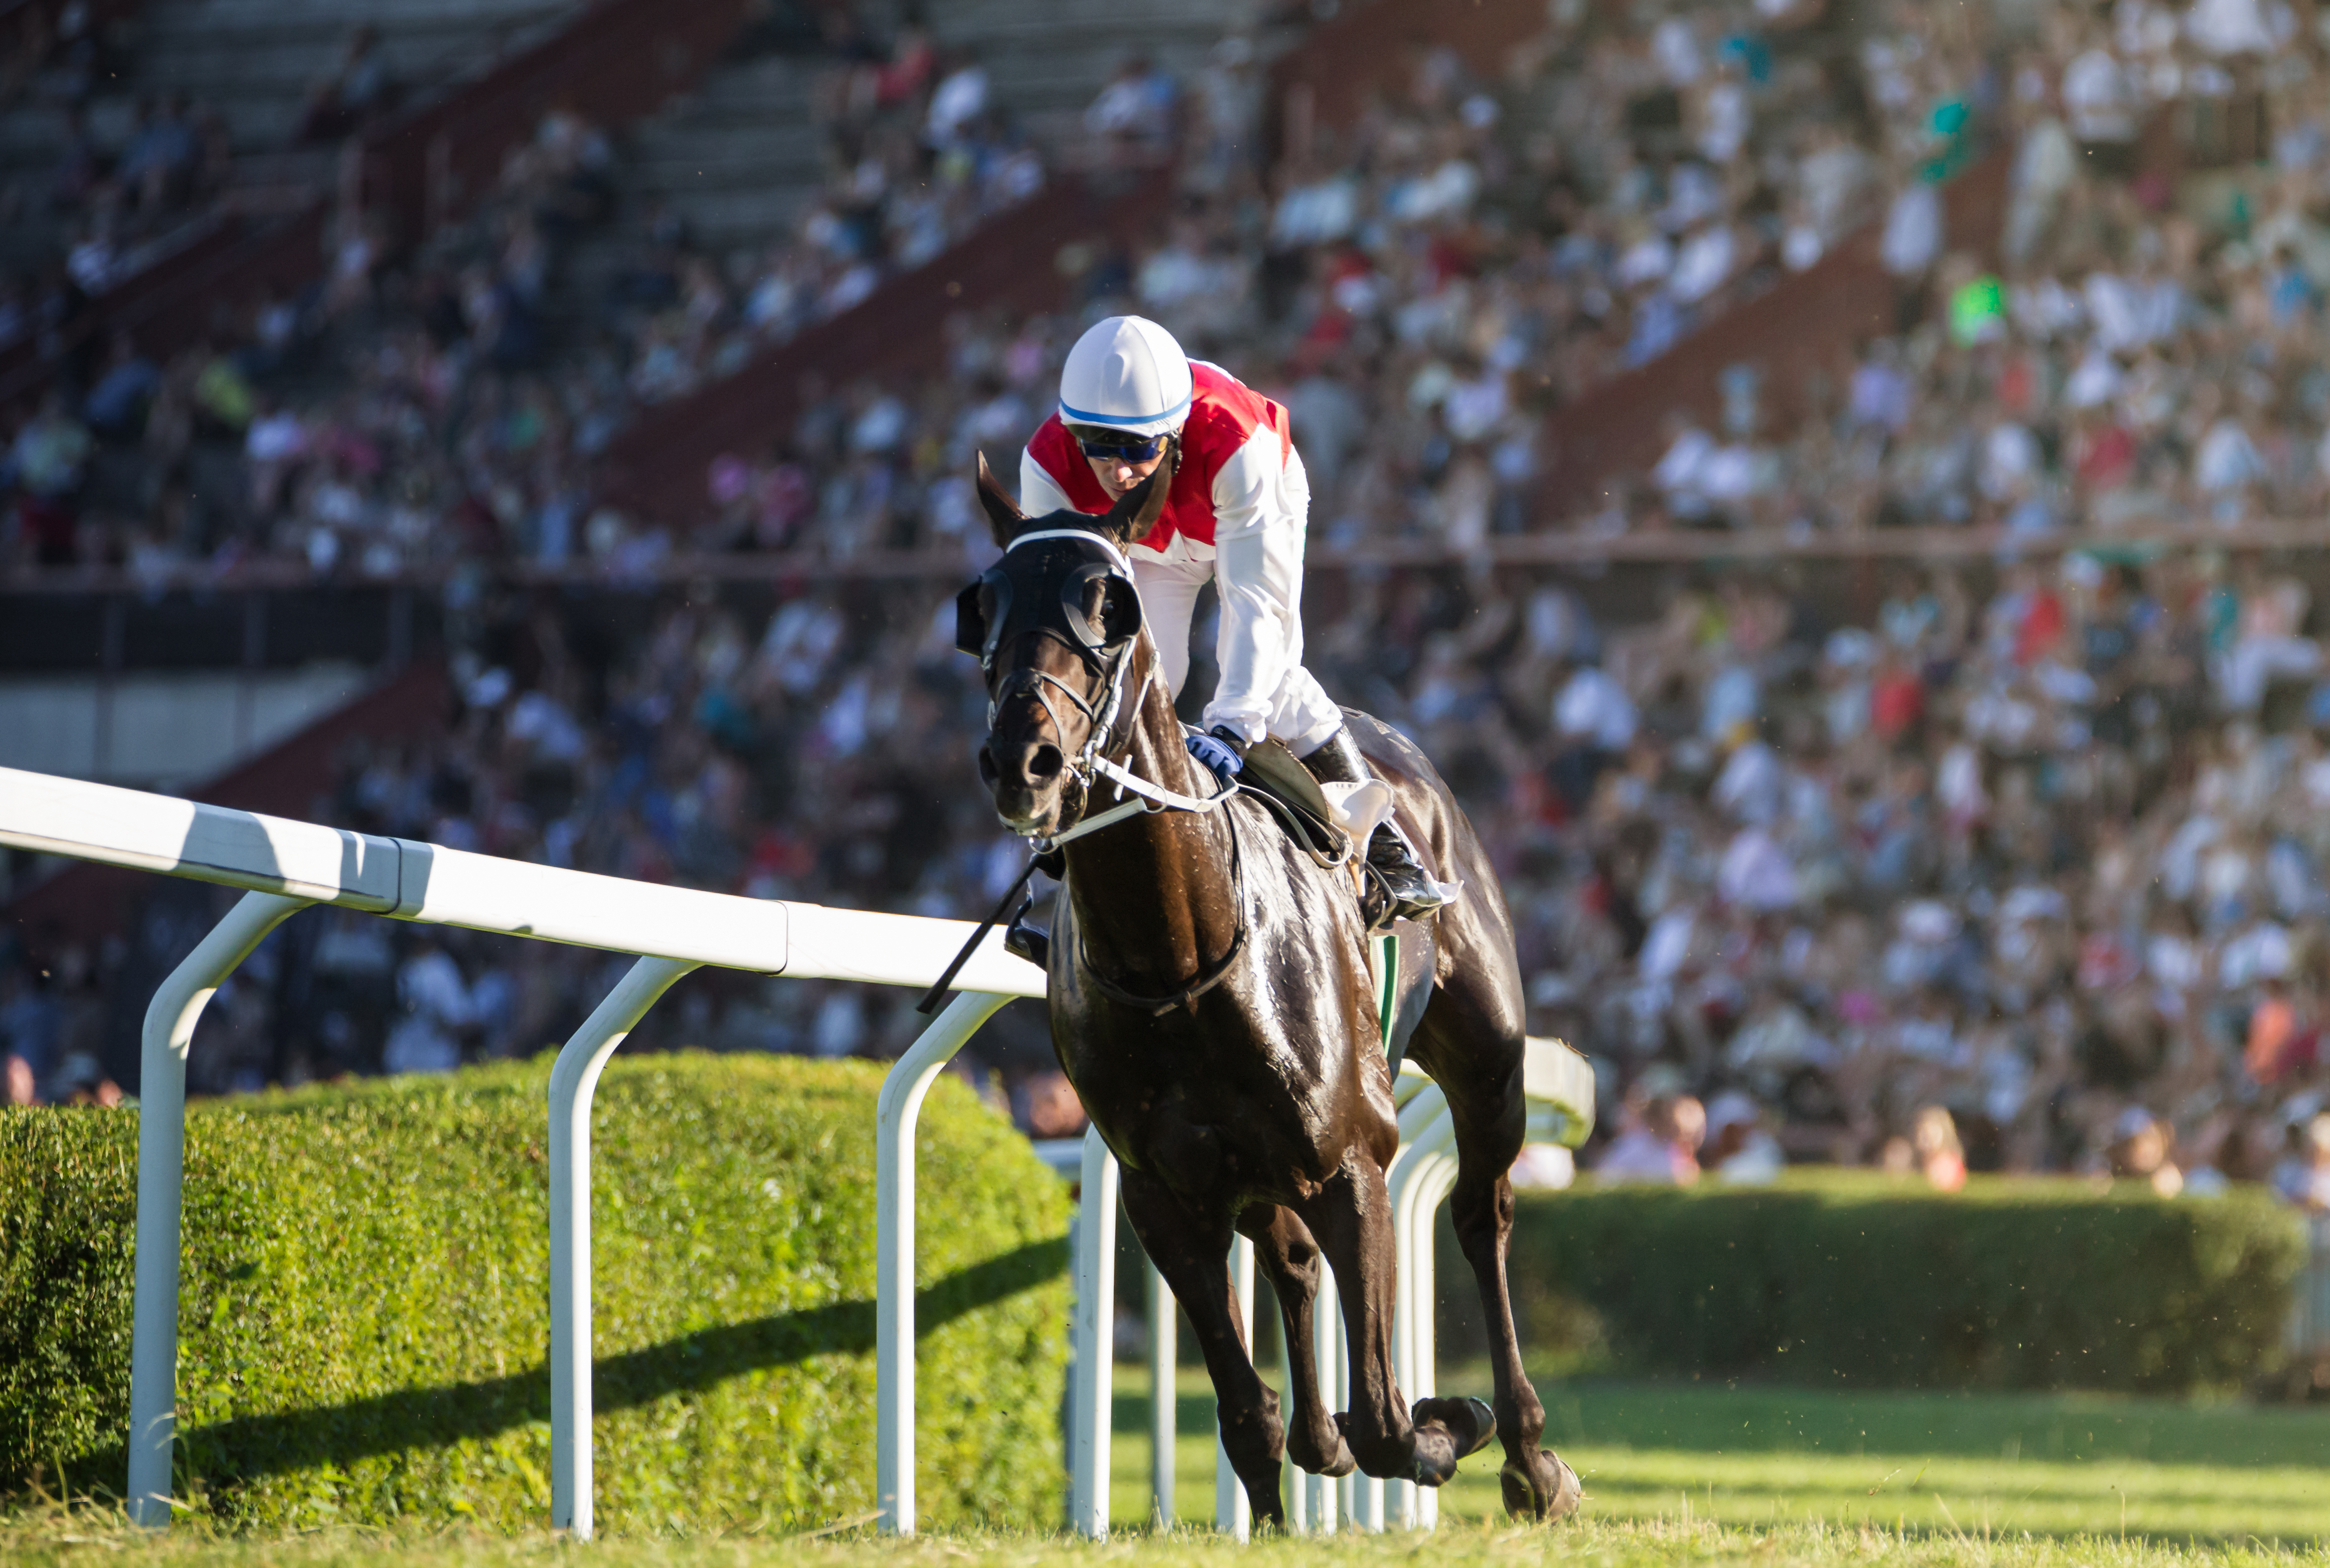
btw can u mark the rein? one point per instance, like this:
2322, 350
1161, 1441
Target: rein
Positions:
1093, 762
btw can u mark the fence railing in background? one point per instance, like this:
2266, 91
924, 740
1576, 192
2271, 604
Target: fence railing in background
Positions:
614, 63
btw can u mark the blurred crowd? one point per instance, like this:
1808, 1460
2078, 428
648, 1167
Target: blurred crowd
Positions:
2007, 866
128, 180
412, 412
2023, 870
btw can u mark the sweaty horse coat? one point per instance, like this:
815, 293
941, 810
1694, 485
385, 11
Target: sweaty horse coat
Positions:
1210, 1001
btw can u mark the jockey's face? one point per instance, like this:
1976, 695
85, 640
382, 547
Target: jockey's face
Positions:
1116, 469
1118, 477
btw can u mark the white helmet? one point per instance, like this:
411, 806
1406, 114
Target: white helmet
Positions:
1126, 373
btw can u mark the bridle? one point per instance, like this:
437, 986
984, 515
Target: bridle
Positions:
1109, 655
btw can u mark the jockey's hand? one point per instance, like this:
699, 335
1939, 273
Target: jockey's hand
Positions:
1220, 751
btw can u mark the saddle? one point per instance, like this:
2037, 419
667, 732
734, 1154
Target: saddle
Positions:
1273, 776
1401, 956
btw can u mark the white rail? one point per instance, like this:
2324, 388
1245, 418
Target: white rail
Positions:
285, 866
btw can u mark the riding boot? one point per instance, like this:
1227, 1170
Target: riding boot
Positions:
1410, 889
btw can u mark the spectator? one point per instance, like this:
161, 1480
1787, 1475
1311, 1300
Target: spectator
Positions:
1659, 1144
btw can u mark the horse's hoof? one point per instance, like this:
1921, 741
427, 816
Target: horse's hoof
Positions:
1548, 1497
1470, 1422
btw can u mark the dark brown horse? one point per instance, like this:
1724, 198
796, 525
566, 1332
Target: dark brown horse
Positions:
1211, 1001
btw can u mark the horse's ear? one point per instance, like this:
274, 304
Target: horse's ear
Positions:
1137, 512
1004, 518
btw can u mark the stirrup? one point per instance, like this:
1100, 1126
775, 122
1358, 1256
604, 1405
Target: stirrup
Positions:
1022, 940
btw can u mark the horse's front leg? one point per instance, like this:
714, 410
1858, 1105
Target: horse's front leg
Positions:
1352, 1218
1192, 1251
1283, 1246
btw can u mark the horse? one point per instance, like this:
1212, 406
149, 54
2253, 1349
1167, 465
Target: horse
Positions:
1210, 1001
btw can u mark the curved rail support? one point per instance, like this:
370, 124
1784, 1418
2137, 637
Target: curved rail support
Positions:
895, 1112
573, 1079
1435, 1178
169, 1030
1425, 1129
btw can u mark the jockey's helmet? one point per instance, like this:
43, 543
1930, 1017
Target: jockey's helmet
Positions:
1126, 374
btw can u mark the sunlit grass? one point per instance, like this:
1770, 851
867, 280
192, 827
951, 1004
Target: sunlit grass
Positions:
46, 1540
2000, 1464
1677, 1476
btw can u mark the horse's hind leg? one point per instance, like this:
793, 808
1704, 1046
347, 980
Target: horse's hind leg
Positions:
1285, 1248
1475, 1054
1193, 1254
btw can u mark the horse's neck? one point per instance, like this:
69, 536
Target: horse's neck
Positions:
1153, 895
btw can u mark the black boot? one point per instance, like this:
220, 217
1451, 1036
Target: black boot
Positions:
1409, 889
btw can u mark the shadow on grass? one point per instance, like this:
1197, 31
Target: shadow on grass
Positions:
248, 1447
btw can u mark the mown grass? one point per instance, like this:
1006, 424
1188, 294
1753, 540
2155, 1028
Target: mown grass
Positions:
1677, 1476
57, 1539
2051, 1465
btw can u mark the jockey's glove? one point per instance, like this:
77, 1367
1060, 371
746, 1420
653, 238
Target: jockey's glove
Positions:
1220, 751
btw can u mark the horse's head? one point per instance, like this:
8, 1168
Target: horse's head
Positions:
1056, 625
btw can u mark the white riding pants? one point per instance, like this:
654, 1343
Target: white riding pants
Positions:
1263, 688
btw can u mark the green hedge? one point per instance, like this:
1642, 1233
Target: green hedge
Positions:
364, 1307
1842, 1279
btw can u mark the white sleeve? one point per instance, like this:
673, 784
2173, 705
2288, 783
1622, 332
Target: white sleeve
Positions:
1039, 493
1261, 503
1250, 492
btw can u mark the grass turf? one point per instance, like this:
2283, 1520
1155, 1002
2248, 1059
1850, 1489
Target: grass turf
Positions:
1677, 1476
56, 1539
2051, 1465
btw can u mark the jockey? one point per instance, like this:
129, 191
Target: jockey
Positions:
1234, 512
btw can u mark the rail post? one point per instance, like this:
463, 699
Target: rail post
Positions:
169, 1030
573, 1080
895, 1112
1164, 1433
1095, 1350
1233, 1509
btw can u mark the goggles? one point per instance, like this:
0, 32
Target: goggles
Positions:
1122, 448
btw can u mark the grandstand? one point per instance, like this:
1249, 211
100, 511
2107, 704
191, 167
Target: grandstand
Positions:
1833, 489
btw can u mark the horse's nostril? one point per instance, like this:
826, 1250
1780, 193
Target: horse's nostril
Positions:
1045, 763
987, 770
